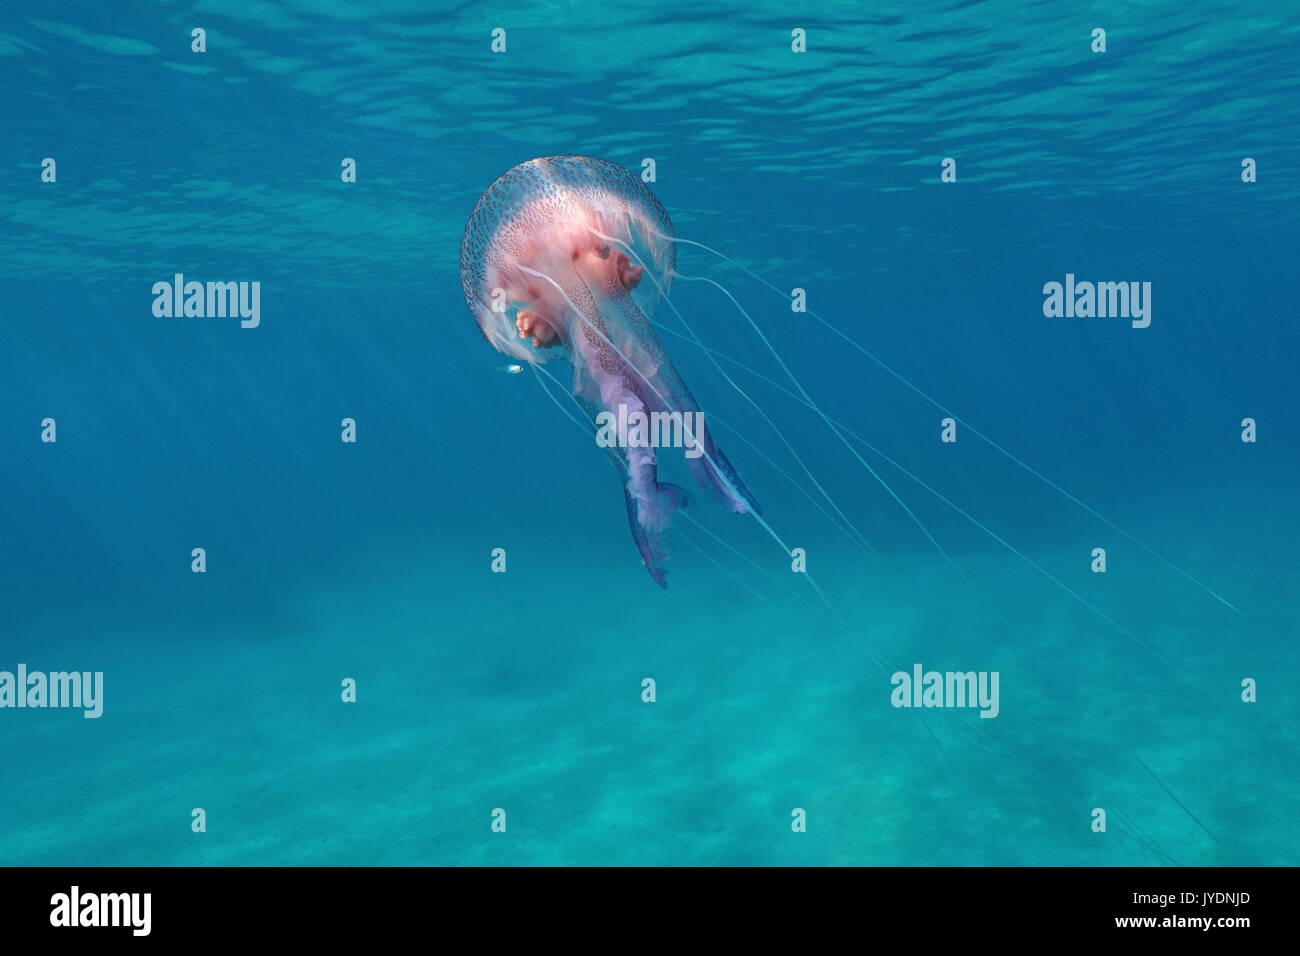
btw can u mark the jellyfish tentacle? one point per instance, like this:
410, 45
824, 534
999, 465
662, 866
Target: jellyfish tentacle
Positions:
590, 326
839, 520
971, 428
854, 532
1129, 829
808, 400
948, 558
626, 303
957, 508
653, 556
712, 469
590, 410
614, 375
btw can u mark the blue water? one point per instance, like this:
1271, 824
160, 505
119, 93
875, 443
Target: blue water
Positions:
522, 691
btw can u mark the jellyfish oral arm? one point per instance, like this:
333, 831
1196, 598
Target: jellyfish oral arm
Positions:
531, 325
659, 387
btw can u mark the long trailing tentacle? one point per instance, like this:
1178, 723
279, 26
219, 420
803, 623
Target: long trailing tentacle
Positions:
663, 292
981, 737
853, 343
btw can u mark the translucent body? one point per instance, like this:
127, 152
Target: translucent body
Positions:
561, 242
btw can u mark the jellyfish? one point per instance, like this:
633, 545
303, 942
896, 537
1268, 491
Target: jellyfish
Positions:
567, 257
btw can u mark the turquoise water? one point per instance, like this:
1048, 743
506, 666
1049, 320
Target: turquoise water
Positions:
522, 690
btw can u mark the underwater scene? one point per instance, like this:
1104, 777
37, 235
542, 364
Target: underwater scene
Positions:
562, 433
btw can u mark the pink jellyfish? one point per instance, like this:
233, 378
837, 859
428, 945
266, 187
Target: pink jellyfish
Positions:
566, 257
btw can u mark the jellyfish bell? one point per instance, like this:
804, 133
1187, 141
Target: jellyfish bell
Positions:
549, 215
567, 257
